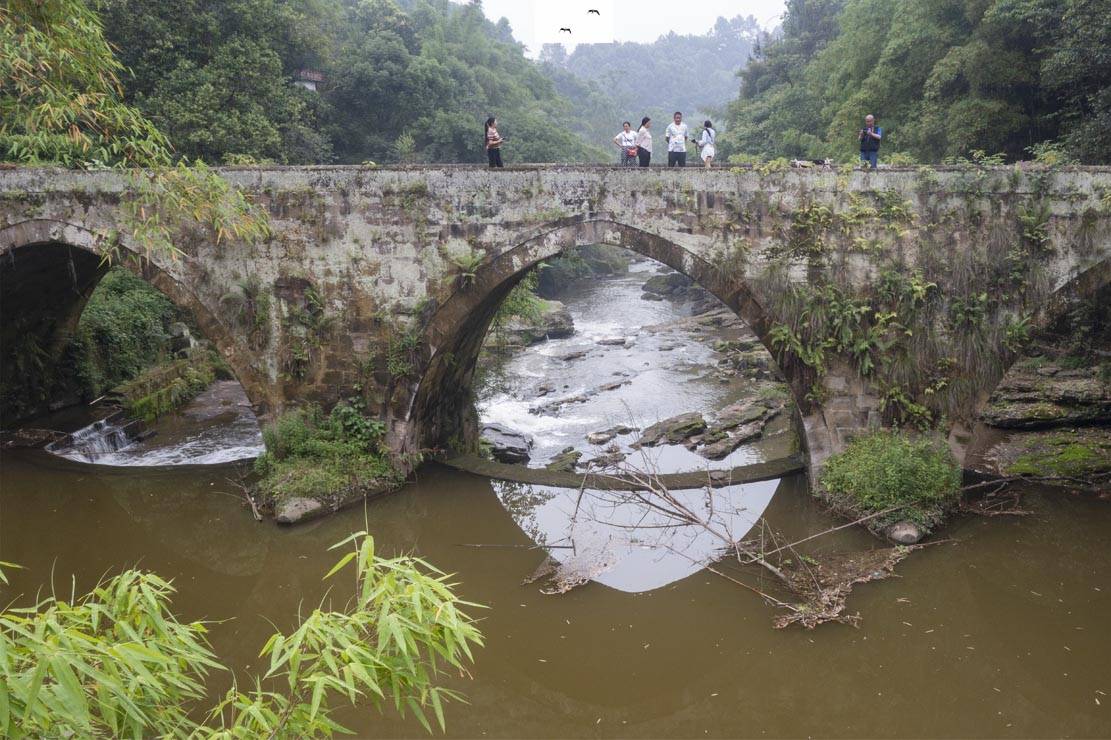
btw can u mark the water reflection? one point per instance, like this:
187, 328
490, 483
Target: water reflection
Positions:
634, 541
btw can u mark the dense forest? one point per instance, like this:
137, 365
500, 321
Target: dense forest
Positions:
409, 81
945, 78
609, 83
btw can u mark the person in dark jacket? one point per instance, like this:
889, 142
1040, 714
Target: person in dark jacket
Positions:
870, 137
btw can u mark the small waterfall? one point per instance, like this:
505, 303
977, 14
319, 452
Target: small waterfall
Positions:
100, 438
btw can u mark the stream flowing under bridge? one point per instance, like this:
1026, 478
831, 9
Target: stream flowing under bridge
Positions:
893, 296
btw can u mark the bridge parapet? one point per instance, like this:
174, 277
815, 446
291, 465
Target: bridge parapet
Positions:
890, 296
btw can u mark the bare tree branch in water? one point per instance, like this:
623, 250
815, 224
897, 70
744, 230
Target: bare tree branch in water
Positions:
814, 591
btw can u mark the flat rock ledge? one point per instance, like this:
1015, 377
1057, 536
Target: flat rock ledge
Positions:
617, 482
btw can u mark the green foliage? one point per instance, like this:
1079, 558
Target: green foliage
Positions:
885, 470
947, 80
401, 354
61, 100
403, 81
313, 455
468, 264
402, 633
163, 389
117, 662
121, 332
1034, 221
1050, 154
522, 302
162, 203
1017, 333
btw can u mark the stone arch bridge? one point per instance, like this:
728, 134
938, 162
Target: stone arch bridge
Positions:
896, 296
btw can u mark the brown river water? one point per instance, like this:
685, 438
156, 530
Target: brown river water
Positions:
1002, 633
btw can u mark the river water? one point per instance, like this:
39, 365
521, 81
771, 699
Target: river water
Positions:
1002, 633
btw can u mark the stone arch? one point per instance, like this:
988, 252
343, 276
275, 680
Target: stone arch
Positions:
440, 406
48, 270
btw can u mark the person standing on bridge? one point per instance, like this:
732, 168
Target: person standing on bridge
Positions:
493, 142
870, 137
644, 142
677, 134
626, 141
706, 144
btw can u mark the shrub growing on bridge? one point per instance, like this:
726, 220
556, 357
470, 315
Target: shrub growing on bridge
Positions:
910, 478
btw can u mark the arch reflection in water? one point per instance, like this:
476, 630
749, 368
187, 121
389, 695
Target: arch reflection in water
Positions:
632, 541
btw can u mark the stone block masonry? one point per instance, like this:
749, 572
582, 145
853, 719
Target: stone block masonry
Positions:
895, 296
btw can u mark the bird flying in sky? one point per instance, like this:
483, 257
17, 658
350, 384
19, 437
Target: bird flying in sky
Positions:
568, 30
595, 12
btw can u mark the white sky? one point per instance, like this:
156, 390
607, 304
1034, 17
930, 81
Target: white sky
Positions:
537, 22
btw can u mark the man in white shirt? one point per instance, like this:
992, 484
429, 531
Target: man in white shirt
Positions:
676, 135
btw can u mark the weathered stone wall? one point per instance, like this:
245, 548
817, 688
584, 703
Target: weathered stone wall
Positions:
383, 281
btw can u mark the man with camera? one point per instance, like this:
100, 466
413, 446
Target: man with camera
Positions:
870, 137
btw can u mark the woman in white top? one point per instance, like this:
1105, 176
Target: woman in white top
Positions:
644, 142
626, 141
706, 143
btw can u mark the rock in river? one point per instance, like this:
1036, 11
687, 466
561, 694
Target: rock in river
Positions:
553, 321
566, 461
674, 430
600, 438
904, 533
507, 446
298, 509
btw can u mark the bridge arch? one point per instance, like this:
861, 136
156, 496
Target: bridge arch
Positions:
441, 408
50, 268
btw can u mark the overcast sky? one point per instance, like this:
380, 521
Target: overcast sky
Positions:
537, 22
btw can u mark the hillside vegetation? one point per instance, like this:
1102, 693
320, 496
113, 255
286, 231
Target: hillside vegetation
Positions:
945, 78
408, 81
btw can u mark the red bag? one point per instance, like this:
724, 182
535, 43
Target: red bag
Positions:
631, 151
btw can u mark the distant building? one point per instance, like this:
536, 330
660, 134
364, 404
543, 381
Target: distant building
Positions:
308, 79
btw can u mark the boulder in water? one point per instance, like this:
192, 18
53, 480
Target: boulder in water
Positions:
565, 462
904, 533
506, 445
673, 285
600, 438
552, 322
673, 430
298, 509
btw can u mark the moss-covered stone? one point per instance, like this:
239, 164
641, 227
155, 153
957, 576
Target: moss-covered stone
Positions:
1077, 453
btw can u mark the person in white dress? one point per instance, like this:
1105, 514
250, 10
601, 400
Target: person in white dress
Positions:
706, 144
